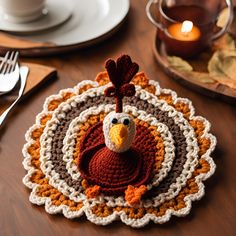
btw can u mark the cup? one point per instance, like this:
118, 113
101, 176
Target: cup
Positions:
187, 26
22, 11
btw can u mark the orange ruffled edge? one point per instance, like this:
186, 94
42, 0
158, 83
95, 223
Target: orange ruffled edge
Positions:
102, 210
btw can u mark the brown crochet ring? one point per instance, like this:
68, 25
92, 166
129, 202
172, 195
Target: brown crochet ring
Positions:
71, 170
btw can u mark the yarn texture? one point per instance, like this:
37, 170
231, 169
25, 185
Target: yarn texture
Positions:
72, 169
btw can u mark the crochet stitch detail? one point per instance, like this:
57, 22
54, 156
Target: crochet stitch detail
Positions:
133, 195
115, 172
182, 160
120, 74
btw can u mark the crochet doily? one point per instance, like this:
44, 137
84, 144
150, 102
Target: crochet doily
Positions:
181, 142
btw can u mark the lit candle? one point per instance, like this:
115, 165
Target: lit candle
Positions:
185, 31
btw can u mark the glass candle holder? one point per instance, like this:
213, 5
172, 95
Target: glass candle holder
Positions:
187, 26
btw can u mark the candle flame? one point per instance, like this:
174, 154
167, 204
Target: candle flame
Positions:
186, 26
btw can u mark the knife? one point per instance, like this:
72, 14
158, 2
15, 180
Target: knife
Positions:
24, 70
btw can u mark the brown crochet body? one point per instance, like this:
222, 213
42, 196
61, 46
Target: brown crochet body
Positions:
115, 171
123, 167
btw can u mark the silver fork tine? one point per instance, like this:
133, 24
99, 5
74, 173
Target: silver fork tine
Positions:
12, 62
4, 60
6, 64
9, 63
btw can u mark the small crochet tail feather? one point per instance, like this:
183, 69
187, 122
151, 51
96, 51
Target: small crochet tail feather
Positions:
111, 70
120, 74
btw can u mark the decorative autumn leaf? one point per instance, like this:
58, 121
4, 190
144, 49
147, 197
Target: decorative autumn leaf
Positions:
222, 67
179, 64
225, 42
223, 63
183, 66
201, 77
223, 18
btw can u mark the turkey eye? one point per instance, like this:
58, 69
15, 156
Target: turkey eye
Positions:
126, 121
114, 121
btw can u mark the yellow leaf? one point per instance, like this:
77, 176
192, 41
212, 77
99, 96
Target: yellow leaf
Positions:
223, 18
223, 63
179, 64
201, 77
225, 42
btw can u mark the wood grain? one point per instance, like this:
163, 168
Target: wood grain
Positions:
213, 215
37, 75
10, 41
215, 90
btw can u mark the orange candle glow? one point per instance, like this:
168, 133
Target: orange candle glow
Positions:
185, 31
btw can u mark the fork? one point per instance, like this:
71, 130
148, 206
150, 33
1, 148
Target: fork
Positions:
9, 72
24, 70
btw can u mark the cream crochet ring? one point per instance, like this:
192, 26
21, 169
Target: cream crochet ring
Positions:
135, 156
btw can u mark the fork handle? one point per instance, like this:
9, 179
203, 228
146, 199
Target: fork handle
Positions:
5, 113
23, 76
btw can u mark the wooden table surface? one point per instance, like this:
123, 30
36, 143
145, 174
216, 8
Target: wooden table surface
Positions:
215, 214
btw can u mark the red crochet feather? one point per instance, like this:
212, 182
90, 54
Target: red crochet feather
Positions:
120, 74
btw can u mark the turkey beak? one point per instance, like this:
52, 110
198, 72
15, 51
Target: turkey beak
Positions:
118, 134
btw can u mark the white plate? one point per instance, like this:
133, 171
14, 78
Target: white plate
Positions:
55, 13
90, 19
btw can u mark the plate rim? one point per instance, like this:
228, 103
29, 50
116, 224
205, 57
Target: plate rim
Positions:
50, 48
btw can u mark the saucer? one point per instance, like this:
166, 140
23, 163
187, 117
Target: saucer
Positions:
90, 19
91, 22
55, 13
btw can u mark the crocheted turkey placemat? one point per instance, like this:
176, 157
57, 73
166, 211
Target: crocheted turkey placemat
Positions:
74, 169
